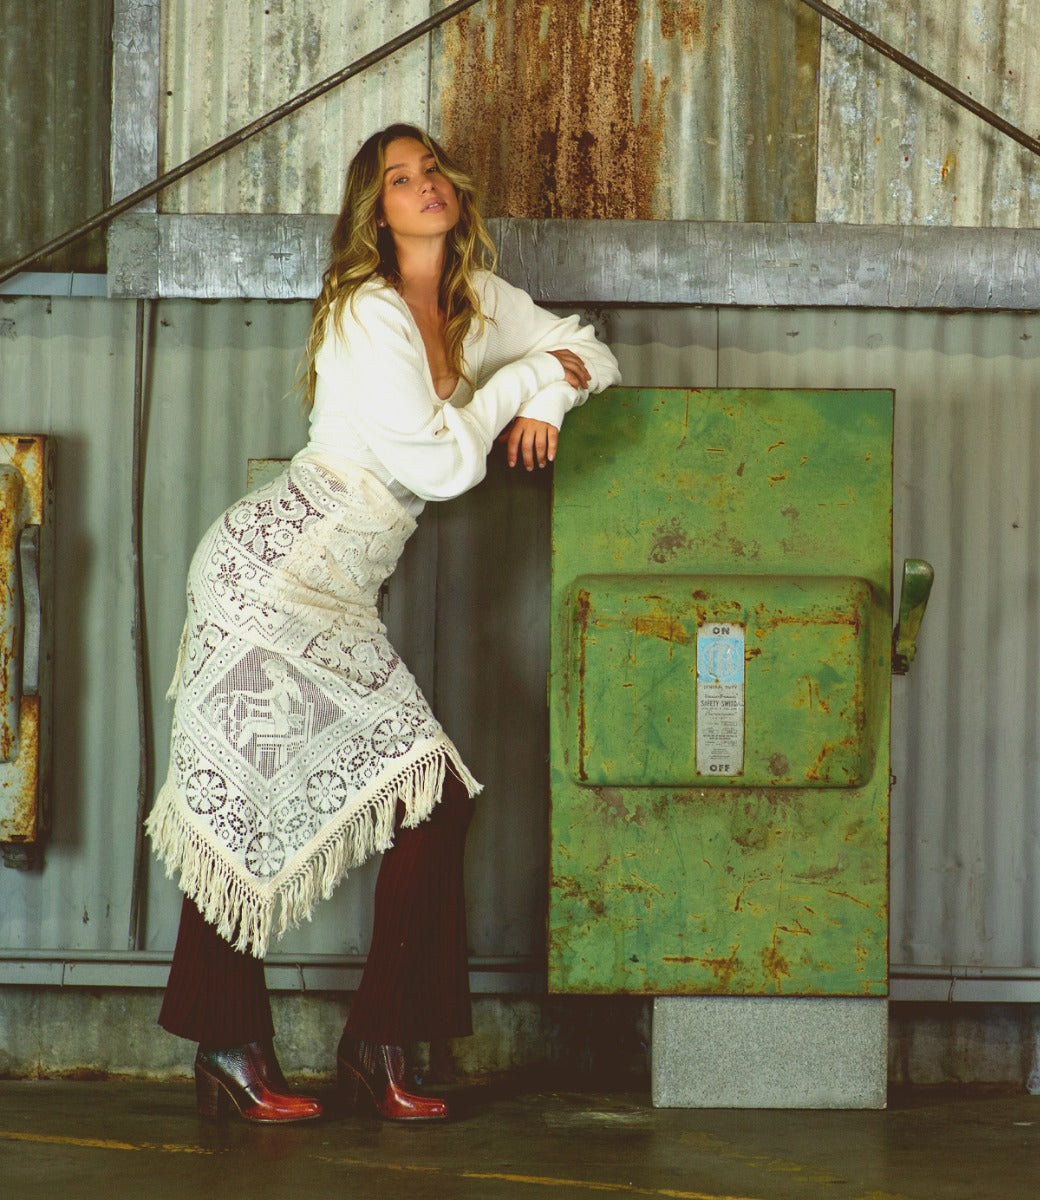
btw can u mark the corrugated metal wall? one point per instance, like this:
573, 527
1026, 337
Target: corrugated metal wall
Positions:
894, 151
605, 109
966, 852
66, 370
965, 848
664, 110
54, 111
673, 109
225, 64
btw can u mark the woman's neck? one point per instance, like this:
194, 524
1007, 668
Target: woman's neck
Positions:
421, 266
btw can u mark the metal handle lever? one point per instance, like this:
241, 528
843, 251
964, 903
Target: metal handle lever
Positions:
32, 606
918, 577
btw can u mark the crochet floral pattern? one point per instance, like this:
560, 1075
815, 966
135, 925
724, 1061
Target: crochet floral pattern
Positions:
297, 728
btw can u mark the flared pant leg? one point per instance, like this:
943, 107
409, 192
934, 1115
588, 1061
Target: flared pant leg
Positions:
415, 985
216, 995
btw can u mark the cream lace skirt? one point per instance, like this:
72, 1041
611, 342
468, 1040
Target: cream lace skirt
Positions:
296, 728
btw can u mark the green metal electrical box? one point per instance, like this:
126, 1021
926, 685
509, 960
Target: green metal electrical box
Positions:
720, 684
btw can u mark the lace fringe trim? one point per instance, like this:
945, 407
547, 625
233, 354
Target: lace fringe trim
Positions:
244, 914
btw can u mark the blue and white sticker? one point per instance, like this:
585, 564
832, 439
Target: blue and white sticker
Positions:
720, 699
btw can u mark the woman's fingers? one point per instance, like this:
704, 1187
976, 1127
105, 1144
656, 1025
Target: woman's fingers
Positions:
552, 437
574, 370
530, 445
540, 452
516, 432
533, 442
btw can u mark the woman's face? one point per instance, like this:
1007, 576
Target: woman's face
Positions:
417, 200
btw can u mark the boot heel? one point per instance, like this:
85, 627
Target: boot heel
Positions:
248, 1080
210, 1098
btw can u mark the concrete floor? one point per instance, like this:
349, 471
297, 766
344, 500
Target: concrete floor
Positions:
76, 1141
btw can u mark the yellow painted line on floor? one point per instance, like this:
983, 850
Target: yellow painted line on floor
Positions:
47, 1139
588, 1185
763, 1162
550, 1181
883, 1196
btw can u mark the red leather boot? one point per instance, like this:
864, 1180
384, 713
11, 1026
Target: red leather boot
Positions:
376, 1072
249, 1078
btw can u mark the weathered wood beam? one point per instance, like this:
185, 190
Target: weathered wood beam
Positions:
614, 262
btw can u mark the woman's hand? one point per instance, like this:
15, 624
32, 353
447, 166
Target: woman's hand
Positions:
574, 370
533, 440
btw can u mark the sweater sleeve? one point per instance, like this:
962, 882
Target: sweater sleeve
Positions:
521, 327
372, 367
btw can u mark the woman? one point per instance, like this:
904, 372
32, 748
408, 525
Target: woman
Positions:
301, 744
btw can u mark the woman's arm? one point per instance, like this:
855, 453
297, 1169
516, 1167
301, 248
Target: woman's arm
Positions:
521, 327
373, 377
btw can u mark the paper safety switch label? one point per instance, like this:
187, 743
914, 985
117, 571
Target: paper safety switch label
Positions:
720, 699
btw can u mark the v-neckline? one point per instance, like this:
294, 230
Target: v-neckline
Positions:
425, 354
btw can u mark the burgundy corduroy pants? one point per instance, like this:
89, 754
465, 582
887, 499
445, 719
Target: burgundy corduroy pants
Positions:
415, 985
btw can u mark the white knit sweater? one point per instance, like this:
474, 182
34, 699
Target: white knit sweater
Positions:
375, 403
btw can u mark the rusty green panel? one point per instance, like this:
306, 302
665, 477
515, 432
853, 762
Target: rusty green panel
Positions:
633, 678
765, 515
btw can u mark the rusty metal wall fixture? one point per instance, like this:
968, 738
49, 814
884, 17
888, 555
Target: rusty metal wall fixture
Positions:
26, 633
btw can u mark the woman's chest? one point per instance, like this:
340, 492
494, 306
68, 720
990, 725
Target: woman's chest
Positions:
432, 331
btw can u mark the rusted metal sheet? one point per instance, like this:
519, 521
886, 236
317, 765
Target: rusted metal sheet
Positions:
54, 110
605, 109
24, 748
894, 151
22, 811
225, 64
667, 110
676, 109
767, 513
641, 635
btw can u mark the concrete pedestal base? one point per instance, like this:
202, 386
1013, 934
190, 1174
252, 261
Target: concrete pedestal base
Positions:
769, 1052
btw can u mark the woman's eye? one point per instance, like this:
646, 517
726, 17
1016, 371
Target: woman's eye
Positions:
400, 179
434, 170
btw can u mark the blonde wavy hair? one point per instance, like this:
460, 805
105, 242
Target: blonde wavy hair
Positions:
361, 250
